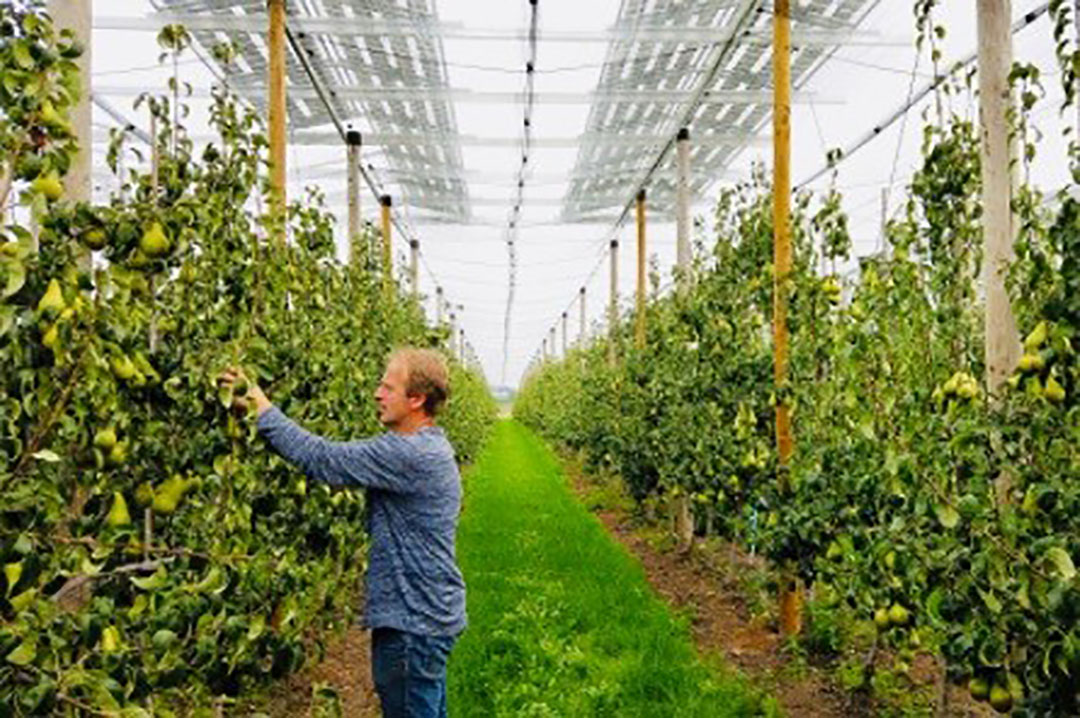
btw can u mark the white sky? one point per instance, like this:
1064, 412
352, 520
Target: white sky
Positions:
859, 87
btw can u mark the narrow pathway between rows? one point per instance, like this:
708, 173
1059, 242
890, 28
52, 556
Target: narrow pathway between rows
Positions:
562, 620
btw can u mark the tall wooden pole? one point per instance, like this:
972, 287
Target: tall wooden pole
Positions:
581, 328
639, 324
414, 268
682, 207
995, 62
461, 346
352, 142
684, 519
790, 594
565, 331
440, 303
453, 334
613, 304
554, 350
276, 9
387, 249
77, 16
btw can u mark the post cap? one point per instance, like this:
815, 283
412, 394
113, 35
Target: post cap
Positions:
385, 200
684, 134
352, 138
414, 243
614, 244
641, 195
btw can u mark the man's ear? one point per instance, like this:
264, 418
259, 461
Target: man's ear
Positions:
416, 401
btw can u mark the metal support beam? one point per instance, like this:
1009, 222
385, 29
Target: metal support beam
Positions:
457, 31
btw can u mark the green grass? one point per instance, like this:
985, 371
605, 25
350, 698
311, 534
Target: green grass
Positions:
562, 621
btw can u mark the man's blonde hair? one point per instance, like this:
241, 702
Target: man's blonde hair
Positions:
426, 374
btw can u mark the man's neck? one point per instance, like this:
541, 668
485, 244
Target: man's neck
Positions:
413, 423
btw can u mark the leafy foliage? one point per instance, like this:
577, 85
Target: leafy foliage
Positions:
155, 553
948, 516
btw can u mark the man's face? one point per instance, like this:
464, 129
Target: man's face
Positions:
394, 404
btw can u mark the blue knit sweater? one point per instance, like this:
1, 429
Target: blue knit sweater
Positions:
414, 498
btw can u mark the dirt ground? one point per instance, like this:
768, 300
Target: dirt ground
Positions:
346, 669
705, 584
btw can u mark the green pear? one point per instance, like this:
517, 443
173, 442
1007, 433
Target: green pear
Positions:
94, 239
51, 337
1054, 391
117, 454
1035, 340
12, 572
1000, 698
154, 243
118, 514
168, 496
123, 367
51, 118
49, 185
110, 640
105, 439
144, 494
53, 299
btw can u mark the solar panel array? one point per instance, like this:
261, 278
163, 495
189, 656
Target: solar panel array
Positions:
382, 67
703, 64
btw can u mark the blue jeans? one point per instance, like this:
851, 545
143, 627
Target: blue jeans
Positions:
410, 673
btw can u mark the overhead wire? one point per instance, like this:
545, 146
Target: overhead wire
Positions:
512, 228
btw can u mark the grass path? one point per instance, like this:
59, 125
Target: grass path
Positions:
562, 621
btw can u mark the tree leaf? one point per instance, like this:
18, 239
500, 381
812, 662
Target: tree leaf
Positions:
46, 455
23, 654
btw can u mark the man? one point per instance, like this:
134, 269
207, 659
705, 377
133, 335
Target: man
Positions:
415, 597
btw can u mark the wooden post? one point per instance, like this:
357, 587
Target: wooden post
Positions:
684, 518
352, 144
554, 351
276, 44
543, 351
155, 164
387, 249
613, 304
581, 328
461, 346
453, 334
639, 322
439, 305
77, 16
565, 331
682, 207
414, 268
995, 61
790, 592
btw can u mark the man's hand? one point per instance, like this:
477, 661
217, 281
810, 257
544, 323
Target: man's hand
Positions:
245, 391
